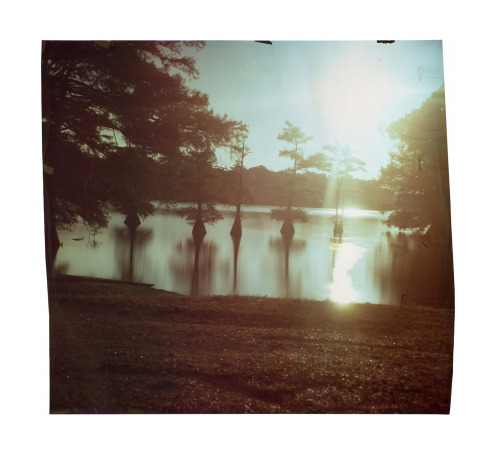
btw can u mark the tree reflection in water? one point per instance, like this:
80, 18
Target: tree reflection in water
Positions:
194, 269
284, 246
128, 247
370, 263
236, 238
407, 268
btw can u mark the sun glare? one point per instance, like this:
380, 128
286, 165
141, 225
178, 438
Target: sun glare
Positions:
353, 93
348, 212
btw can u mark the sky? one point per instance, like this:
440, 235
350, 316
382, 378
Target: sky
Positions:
339, 92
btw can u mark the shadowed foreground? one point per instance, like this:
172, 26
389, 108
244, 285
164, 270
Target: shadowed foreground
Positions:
124, 348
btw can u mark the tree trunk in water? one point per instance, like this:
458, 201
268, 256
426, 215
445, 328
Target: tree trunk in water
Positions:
287, 230
236, 230
199, 230
336, 226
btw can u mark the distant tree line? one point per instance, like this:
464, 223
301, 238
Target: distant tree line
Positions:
262, 186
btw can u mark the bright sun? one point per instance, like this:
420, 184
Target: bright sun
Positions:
354, 94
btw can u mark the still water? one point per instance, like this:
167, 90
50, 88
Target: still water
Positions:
370, 263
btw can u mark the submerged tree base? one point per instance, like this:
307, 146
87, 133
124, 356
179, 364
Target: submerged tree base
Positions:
287, 230
236, 230
338, 229
199, 230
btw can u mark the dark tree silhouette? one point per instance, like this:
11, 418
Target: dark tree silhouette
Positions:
238, 152
106, 106
296, 138
416, 179
202, 135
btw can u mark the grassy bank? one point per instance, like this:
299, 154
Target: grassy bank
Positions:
120, 348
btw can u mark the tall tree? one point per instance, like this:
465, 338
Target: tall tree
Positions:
238, 152
295, 138
416, 178
342, 164
202, 135
107, 106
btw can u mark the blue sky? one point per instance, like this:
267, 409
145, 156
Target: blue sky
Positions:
338, 92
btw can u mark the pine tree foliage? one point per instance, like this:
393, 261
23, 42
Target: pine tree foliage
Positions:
295, 138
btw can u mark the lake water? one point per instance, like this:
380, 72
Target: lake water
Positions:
370, 263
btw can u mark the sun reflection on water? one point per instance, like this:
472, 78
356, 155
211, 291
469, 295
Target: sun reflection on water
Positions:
345, 256
348, 212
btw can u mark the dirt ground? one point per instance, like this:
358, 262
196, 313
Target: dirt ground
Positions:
123, 348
